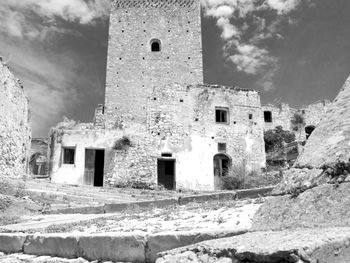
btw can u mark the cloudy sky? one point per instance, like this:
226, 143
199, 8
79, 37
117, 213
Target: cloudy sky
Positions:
295, 51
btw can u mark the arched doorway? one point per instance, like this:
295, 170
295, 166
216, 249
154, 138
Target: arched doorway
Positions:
222, 165
308, 130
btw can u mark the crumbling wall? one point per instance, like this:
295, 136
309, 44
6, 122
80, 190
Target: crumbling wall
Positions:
15, 132
99, 117
281, 116
181, 122
314, 112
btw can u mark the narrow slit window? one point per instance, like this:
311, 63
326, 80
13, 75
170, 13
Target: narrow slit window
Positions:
155, 45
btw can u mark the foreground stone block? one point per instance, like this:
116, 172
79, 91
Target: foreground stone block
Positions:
170, 240
326, 245
12, 243
59, 245
113, 247
322, 206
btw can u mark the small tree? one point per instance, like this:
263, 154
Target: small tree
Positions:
275, 138
298, 122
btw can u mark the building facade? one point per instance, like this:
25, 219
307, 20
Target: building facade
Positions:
159, 124
283, 115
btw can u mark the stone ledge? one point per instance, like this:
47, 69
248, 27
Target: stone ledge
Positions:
120, 247
119, 207
61, 245
12, 243
323, 245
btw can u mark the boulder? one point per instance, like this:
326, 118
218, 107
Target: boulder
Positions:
60, 245
114, 247
12, 243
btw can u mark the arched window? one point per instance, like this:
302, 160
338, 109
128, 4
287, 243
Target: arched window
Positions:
155, 45
222, 164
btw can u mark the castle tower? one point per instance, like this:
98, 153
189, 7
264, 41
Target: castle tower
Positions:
151, 43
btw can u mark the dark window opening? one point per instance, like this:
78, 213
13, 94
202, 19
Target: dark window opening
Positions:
166, 173
250, 116
68, 155
221, 115
268, 116
155, 46
167, 155
309, 130
222, 147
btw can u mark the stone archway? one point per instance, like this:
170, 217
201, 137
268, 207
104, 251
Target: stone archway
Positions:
222, 164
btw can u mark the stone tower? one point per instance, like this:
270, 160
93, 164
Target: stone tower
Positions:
151, 43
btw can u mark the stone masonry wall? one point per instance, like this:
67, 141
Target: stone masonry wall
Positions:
133, 70
181, 121
15, 132
283, 114
185, 111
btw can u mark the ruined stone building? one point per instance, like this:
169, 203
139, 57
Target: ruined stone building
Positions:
38, 157
283, 114
159, 125
15, 133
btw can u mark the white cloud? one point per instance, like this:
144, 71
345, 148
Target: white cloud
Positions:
16, 16
251, 59
283, 6
244, 29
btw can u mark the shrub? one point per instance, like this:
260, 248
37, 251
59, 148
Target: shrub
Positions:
234, 178
274, 139
122, 144
298, 121
238, 177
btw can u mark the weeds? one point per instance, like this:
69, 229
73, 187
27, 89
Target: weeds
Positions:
122, 144
238, 177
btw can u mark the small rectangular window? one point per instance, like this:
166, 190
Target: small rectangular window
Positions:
268, 116
250, 116
221, 115
167, 155
68, 155
221, 147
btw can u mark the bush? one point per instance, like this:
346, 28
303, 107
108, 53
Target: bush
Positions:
122, 144
234, 178
239, 178
298, 121
275, 138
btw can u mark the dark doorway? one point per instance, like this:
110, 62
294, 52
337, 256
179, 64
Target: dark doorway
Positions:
94, 167
222, 166
267, 116
166, 173
309, 130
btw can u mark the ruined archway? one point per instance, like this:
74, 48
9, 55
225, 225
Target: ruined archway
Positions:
308, 130
222, 165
